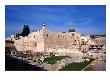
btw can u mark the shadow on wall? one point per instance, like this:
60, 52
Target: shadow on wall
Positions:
13, 64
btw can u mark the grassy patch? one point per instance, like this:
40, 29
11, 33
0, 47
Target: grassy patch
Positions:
76, 66
53, 59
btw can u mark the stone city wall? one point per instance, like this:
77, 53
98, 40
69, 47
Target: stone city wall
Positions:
48, 41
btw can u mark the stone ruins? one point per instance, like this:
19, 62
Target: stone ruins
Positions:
44, 43
62, 42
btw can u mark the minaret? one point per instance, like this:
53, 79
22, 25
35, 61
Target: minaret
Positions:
43, 25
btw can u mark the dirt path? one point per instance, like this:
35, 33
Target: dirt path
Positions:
97, 65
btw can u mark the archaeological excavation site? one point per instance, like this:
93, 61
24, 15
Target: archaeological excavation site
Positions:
48, 50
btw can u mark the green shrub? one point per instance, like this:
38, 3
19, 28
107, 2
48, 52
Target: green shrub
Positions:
76, 66
53, 59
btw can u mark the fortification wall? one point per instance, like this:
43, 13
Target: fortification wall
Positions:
45, 40
58, 40
34, 42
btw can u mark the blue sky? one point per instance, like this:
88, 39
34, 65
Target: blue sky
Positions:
87, 19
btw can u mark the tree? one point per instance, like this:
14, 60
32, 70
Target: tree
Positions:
71, 30
17, 35
26, 31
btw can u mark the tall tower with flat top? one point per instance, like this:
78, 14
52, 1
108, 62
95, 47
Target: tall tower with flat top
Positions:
43, 25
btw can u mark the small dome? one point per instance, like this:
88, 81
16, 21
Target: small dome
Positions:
43, 24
